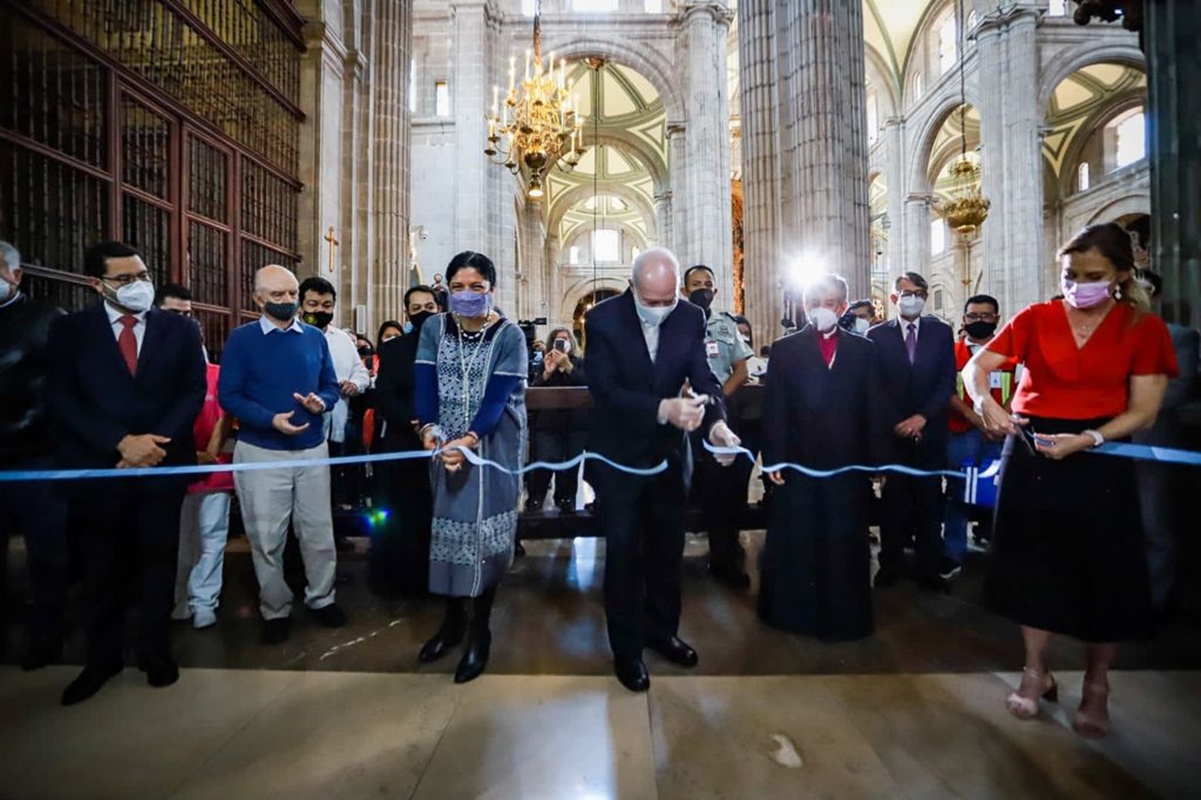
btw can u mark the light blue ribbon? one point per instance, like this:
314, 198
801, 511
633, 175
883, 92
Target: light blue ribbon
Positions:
830, 473
1146, 452
212, 469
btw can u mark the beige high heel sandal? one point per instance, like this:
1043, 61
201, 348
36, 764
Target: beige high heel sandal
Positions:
1024, 707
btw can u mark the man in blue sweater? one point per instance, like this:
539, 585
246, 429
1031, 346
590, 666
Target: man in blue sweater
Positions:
277, 379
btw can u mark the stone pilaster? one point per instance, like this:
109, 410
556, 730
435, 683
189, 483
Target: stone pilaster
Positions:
760, 162
680, 228
1010, 119
707, 161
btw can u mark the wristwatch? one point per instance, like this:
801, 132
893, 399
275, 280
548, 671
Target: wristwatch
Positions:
1097, 436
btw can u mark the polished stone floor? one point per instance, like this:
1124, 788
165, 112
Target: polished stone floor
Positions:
916, 710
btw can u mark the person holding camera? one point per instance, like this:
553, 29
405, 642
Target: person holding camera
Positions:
561, 433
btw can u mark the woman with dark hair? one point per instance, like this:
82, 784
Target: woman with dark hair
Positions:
561, 433
1067, 552
471, 376
389, 330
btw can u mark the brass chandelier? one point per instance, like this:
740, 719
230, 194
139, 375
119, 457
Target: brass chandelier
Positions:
967, 207
538, 127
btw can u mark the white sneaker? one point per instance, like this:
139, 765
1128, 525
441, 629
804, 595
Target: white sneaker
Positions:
204, 618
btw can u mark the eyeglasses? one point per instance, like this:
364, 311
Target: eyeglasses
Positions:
980, 317
902, 295
125, 280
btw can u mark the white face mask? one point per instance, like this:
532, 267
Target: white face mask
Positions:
823, 319
862, 325
137, 296
7, 290
654, 315
911, 306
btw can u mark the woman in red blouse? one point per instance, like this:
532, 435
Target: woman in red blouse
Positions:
1067, 554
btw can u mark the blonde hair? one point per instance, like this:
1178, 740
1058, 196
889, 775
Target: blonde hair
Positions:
575, 346
1113, 242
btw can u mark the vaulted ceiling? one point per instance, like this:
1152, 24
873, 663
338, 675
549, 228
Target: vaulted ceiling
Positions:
889, 27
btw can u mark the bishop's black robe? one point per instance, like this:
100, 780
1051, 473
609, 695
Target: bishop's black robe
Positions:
816, 562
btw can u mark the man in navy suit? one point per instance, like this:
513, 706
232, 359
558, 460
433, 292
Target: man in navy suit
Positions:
917, 363
126, 382
651, 385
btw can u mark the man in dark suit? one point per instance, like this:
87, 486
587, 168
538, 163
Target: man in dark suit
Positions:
125, 384
917, 363
400, 551
651, 385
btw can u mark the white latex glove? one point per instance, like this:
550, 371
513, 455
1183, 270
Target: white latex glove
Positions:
685, 413
720, 435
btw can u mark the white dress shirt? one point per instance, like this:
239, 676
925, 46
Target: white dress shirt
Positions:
114, 321
347, 367
917, 327
266, 326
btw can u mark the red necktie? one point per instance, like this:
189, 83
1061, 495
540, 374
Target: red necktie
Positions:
128, 343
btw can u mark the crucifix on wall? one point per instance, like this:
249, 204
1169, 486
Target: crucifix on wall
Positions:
333, 243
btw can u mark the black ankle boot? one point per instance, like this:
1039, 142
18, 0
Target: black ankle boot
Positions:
475, 656
479, 639
449, 634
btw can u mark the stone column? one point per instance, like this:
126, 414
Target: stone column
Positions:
917, 236
1172, 28
823, 124
392, 56
1010, 120
707, 161
763, 260
898, 165
678, 240
471, 98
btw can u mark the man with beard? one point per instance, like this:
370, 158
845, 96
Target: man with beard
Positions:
400, 549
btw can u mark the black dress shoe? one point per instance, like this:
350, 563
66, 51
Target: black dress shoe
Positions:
447, 638
675, 650
330, 616
42, 652
632, 674
90, 681
276, 631
475, 657
533, 505
160, 670
565, 506
886, 577
934, 583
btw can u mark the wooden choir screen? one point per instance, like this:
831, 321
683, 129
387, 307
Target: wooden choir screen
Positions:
172, 125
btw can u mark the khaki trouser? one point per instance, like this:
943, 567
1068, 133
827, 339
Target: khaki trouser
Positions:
270, 498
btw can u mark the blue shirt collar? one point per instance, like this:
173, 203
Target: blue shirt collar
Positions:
267, 326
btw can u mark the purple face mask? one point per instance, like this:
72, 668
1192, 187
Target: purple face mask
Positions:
1085, 295
466, 303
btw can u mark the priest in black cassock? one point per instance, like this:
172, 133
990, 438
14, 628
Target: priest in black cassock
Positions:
820, 411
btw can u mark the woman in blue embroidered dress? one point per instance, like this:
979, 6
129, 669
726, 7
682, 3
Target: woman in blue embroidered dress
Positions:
471, 380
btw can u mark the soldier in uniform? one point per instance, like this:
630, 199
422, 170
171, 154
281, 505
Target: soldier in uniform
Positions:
722, 491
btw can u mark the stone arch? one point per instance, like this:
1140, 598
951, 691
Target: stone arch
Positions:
581, 232
923, 143
651, 63
1098, 119
884, 83
566, 201
632, 145
583, 288
1135, 203
1086, 54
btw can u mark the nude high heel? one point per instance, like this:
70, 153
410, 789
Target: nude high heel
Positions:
1024, 703
1094, 723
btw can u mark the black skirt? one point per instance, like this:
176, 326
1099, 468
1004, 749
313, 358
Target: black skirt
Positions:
1067, 551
